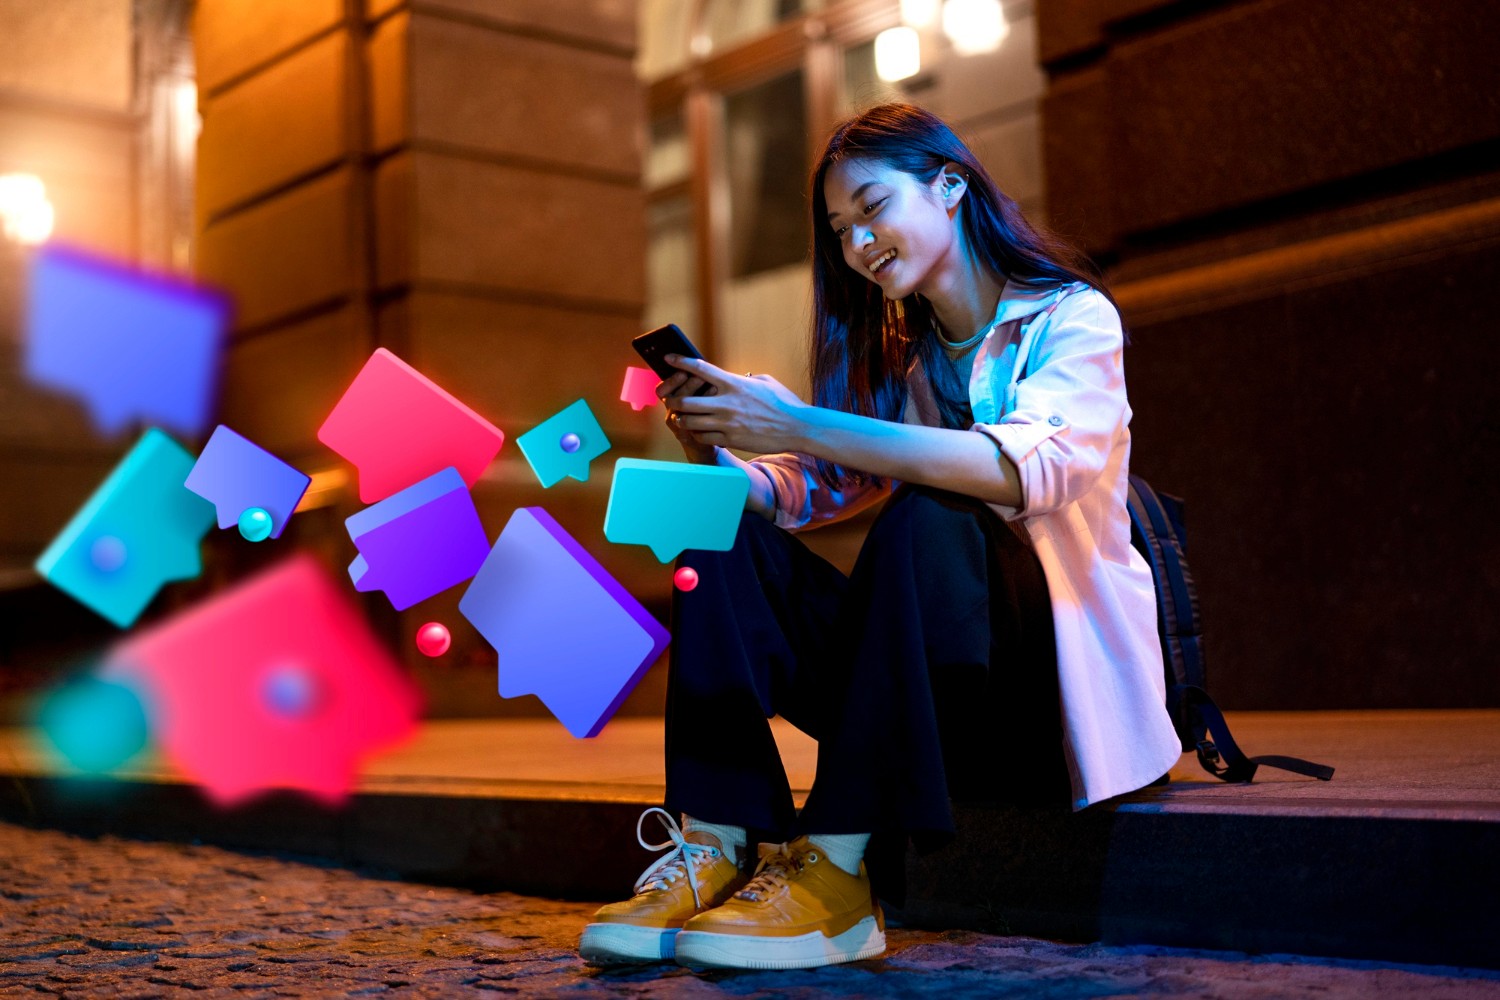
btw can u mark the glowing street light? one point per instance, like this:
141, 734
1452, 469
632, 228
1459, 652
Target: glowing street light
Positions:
974, 26
898, 54
918, 13
25, 212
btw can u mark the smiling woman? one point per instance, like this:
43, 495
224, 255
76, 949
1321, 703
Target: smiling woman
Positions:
997, 637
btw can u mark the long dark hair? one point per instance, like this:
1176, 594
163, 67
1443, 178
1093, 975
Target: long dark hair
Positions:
864, 346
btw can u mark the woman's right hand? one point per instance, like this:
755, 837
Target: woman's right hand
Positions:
683, 384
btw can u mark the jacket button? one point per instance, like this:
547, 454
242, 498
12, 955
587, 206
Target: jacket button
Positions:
1055, 420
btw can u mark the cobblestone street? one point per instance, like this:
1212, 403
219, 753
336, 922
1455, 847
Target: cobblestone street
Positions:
108, 917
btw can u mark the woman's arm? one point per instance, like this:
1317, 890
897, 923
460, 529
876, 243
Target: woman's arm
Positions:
963, 462
758, 413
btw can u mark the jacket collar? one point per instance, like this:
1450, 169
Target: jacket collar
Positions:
1018, 301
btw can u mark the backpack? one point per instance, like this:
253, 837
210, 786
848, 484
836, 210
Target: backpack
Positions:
1156, 532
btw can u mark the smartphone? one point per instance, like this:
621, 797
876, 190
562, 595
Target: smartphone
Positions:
656, 345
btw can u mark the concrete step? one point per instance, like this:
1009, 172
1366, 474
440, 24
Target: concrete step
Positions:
1394, 859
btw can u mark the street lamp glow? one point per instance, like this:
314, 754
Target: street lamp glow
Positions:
918, 13
898, 54
25, 212
974, 26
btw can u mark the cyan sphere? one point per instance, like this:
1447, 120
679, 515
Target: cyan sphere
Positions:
255, 524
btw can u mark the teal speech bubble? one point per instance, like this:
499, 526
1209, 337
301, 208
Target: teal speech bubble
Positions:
564, 444
671, 506
140, 530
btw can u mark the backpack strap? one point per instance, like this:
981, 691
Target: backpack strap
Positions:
1224, 759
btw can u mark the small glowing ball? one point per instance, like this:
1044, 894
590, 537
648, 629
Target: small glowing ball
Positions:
433, 639
107, 553
95, 725
570, 443
291, 691
255, 524
685, 578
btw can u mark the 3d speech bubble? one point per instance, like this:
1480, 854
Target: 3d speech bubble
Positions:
132, 346
564, 628
639, 389
139, 531
418, 542
564, 444
671, 506
277, 682
236, 474
397, 427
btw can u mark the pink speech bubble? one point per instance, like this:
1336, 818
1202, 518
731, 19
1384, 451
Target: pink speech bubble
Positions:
277, 683
398, 427
639, 389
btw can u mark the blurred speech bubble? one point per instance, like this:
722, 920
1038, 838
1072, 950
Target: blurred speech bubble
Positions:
564, 628
277, 682
639, 389
418, 542
236, 475
397, 427
139, 531
132, 346
671, 506
564, 444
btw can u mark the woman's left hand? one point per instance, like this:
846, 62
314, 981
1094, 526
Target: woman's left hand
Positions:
747, 412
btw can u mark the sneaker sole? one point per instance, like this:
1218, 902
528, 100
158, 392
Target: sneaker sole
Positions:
741, 951
606, 944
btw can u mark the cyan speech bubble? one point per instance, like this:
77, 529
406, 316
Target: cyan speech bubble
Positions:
565, 629
671, 506
234, 473
132, 346
547, 445
418, 542
140, 530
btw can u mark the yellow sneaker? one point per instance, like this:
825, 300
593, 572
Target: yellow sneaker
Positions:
689, 879
800, 910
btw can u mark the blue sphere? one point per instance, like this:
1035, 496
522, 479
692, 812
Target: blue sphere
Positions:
291, 692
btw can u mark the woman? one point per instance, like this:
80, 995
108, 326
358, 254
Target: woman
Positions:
967, 371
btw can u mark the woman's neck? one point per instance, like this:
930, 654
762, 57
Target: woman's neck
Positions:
966, 297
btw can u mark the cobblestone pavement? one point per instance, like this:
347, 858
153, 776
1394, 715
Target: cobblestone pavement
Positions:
108, 917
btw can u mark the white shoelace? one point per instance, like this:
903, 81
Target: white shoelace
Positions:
683, 858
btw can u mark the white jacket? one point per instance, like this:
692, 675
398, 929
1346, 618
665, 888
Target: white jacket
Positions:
1065, 425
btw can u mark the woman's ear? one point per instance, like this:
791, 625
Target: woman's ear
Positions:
953, 183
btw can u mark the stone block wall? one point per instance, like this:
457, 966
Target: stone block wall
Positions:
1298, 202
454, 180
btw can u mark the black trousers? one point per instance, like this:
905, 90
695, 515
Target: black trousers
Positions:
928, 674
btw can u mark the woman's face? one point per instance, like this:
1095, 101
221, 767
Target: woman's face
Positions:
895, 229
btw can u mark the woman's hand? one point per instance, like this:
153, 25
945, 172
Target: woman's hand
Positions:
676, 387
749, 412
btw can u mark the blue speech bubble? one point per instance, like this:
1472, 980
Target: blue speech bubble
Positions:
418, 542
236, 474
564, 444
671, 506
565, 629
140, 530
131, 346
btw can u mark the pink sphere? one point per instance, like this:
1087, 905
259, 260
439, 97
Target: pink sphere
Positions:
433, 639
685, 578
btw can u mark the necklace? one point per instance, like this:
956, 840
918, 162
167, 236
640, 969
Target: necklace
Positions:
959, 349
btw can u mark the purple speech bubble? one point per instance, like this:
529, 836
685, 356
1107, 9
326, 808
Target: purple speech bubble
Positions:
133, 346
418, 542
236, 474
565, 629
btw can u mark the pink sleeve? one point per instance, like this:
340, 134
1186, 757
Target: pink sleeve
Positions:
803, 501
